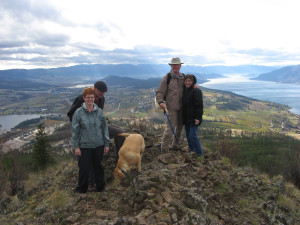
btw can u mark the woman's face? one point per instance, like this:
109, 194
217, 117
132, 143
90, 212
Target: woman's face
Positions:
188, 83
89, 99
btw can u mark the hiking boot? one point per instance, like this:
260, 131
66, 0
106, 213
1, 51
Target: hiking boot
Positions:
79, 191
175, 149
101, 189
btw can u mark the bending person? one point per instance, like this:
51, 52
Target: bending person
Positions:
100, 90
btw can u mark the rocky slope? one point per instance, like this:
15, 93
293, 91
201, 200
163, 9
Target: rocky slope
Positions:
173, 188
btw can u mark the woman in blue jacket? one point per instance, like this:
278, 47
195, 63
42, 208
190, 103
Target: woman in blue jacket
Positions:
192, 112
91, 140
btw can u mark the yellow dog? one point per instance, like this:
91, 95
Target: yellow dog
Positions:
130, 154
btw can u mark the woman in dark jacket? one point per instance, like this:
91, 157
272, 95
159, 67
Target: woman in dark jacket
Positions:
192, 112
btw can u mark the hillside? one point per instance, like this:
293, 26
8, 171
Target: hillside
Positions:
173, 188
21, 84
229, 110
288, 74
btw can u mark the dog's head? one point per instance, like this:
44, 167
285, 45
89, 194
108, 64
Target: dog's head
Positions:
118, 173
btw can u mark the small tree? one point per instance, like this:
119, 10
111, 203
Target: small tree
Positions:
41, 154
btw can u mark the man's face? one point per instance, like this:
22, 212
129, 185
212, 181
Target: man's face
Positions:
98, 94
176, 68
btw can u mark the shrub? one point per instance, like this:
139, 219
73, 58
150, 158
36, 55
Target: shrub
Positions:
229, 150
13, 172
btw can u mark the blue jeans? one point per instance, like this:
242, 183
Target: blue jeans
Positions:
193, 141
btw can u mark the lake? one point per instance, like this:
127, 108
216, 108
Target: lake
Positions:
10, 121
287, 94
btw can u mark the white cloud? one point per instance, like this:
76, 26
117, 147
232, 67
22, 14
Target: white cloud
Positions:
33, 33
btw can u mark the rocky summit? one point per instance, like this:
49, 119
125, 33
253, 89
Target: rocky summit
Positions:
176, 187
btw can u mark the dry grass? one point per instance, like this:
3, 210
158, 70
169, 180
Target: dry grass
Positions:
292, 191
59, 199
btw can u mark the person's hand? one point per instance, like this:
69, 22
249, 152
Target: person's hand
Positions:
197, 122
196, 86
106, 149
162, 105
77, 152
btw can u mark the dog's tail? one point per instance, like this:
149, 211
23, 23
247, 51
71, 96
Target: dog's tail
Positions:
123, 134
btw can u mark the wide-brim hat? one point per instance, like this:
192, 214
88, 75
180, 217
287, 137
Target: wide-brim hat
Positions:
175, 61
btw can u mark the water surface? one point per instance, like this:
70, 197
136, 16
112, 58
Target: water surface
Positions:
10, 121
287, 94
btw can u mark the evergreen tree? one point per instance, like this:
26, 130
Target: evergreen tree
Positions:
41, 154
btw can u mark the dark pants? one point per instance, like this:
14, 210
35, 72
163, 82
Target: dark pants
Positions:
113, 132
90, 156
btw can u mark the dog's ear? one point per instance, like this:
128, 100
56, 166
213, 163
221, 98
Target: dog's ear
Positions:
118, 174
123, 135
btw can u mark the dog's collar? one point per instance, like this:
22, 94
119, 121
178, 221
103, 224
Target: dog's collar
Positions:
124, 173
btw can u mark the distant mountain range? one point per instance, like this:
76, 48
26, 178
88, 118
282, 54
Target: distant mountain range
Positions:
61, 76
21, 83
139, 83
288, 74
131, 82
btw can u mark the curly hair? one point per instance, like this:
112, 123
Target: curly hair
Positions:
88, 91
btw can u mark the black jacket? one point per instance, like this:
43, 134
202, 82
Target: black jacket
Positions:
192, 105
78, 102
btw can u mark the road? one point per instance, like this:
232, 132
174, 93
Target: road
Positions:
108, 113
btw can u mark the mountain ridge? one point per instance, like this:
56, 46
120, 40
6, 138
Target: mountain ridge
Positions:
84, 72
140, 83
288, 74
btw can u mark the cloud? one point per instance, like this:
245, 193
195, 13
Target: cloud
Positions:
52, 33
258, 51
25, 11
11, 44
50, 39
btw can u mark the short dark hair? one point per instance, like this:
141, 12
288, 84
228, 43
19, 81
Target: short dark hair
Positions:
101, 86
189, 76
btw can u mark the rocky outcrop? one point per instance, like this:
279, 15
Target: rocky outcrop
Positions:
173, 188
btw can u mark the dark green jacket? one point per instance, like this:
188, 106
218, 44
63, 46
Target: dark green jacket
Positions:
89, 129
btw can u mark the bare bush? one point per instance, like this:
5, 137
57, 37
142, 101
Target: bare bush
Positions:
229, 150
12, 172
295, 168
3, 179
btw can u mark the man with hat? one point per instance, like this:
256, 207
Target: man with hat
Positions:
169, 95
100, 89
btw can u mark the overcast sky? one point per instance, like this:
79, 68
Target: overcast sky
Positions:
55, 33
